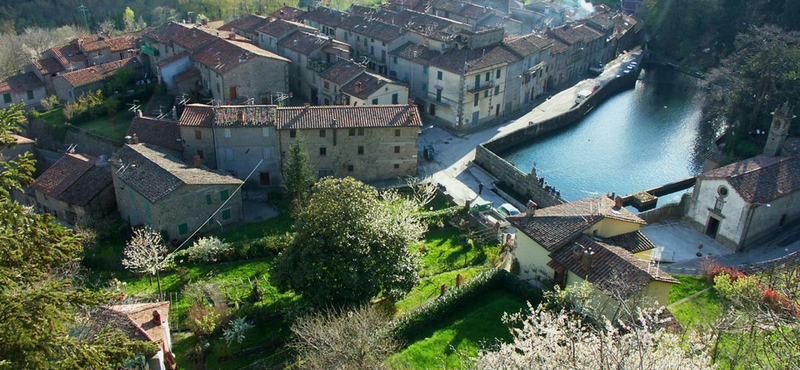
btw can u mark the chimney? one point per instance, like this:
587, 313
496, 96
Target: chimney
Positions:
577, 251
157, 318
587, 258
231, 36
204, 22
198, 161
128, 139
531, 208
358, 87
135, 139
138, 113
617, 203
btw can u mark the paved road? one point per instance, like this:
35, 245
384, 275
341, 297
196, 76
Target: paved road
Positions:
452, 167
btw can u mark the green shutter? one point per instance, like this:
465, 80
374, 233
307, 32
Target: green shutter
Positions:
226, 214
183, 229
30, 94
209, 199
224, 195
7, 98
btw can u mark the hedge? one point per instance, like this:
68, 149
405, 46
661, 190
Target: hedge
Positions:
432, 218
414, 322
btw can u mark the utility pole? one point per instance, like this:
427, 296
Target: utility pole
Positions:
85, 10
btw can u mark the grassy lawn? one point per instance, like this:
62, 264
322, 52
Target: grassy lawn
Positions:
444, 250
463, 331
55, 118
111, 127
431, 287
700, 310
689, 285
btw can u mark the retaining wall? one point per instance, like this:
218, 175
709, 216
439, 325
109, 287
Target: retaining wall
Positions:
90, 143
528, 184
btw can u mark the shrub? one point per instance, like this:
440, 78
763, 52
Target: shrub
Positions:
49, 102
436, 219
235, 332
206, 250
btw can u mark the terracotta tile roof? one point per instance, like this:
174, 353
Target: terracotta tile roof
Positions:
558, 45
48, 66
179, 56
68, 54
304, 43
460, 8
372, 28
185, 75
415, 52
89, 75
529, 44
634, 242
613, 269
164, 133
21, 83
22, 140
288, 13
554, 226
225, 55
364, 85
572, 34
326, 16
410, 4
189, 37
244, 115
197, 115
342, 72
135, 320
249, 23
760, 179
476, 60
155, 174
74, 179
279, 28
317, 117
97, 42
601, 21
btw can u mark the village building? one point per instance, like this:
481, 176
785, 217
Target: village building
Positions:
100, 49
70, 56
46, 69
372, 89
585, 49
288, 13
24, 88
21, 146
196, 126
533, 50
173, 38
158, 190
332, 80
246, 26
595, 240
276, 30
310, 54
70, 86
163, 133
144, 322
77, 189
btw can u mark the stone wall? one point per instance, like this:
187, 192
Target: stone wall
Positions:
528, 184
669, 212
90, 143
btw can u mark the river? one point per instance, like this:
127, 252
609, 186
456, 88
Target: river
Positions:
638, 139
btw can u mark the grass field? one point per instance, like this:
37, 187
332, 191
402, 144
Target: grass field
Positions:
700, 310
463, 333
444, 250
431, 287
111, 127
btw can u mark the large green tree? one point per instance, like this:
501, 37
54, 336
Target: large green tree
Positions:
39, 299
351, 245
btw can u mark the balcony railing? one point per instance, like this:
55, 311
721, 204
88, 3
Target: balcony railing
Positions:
149, 50
485, 86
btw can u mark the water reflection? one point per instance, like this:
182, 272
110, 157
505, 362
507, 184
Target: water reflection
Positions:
638, 139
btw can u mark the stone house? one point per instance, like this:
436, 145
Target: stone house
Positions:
331, 80
70, 56
163, 133
46, 69
595, 240
99, 49
369, 143
246, 26
460, 11
140, 321
173, 38
167, 69
371, 39
246, 140
585, 48
196, 126
24, 88
309, 54
70, 86
534, 51
233, 71
77, 189
372, 89
156, 189
23, 144
744, 201
276, 30
288, 13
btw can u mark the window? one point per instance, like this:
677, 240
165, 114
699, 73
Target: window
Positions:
486, 94
351, 132
227, 132
198, 135
365, 42
268, 153
497, 75
396, 165
425, 69
397, 132
209, 199
394, 59
292, 133
265, 131
7, 98
477, 99
439, 75
497, 90
718, 204
201, 153
264, 178
397, 149
226, 214
322, 133
360, 131
349, 168
326, 84
438, 94
30, 94
374, 101
425, 88
477, 81
183, 229
488, 76
224, 195
395, 99
360, 150
229, 154
323, 151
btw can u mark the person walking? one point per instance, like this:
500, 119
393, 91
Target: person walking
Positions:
480, 188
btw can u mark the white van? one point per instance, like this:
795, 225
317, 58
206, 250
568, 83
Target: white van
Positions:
582, 95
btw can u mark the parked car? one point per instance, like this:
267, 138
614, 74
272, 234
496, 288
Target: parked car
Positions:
508, 210
428, 152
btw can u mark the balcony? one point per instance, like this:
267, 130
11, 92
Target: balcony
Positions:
317, 65
149, 50
483, 87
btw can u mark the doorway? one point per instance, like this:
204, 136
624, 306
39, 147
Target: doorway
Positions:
433, 110
475, 118
712, 227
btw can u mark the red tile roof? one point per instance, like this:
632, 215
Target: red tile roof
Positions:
244, 115
465, 60
197, 115
164, 133
183, 76
304, 43
21, 83
280, 28
74, 179
372, 28
342, 116
135, 320
526, 45
179, 56
365, 84
189, 37
225, 55
48, 66
326, 16
634, 242
68, 54
97, 73
288, 13
249, 23
342, 72
760, 179
97, 42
